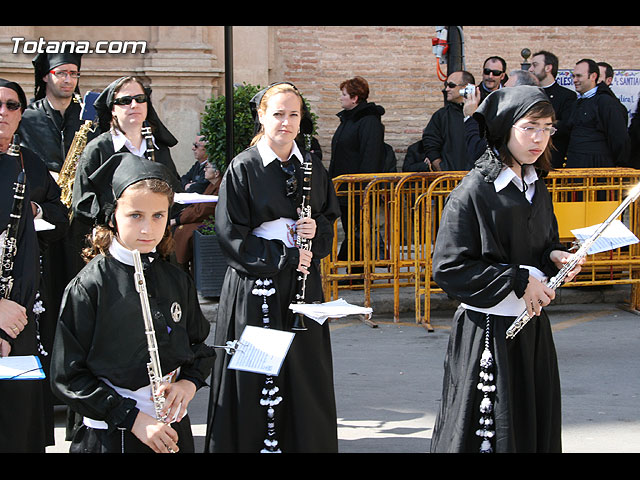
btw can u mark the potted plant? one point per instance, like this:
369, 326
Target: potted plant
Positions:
209, 262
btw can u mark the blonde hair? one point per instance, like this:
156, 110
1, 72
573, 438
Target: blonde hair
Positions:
262, 108
101, 238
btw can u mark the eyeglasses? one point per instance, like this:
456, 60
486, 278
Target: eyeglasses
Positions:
450, 85
533, 130
495, 73
64, 73
127, 99
289, 168
11, 105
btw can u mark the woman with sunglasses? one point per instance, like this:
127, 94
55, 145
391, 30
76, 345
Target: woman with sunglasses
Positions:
26, 416
256, 223
496, 245
122, 109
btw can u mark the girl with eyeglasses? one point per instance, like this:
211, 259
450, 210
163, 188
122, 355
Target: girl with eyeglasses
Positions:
496, 246
256, 223
122, 109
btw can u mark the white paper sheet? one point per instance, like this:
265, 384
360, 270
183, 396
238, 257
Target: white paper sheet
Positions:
26, 367
335, 309
616, 235
186, 198
261, 350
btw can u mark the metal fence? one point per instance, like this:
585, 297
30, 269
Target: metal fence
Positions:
392, 223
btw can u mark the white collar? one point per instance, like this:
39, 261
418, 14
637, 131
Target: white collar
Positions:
121, 253
120, 140
268, 155
507, 176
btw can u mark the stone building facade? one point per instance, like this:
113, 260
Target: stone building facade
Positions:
184, 65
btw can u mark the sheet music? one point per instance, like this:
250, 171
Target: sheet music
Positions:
26, 367
616, 235
187, 198
335, 309
261, 350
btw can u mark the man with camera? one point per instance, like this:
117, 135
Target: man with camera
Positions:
443, 137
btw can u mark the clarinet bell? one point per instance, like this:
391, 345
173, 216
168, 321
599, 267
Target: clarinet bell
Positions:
298, 323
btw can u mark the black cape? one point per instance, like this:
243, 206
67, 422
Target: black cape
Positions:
483, 238
249, 195
22, 420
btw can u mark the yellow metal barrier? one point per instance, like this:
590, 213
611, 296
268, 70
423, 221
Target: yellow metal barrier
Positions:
399, 216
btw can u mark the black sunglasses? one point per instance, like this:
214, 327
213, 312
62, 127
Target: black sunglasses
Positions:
127, 99
11, 104
450, 85
495, 73
289, 168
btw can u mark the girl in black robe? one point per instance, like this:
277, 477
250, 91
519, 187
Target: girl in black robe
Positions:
100, 354
497, 241
256, 192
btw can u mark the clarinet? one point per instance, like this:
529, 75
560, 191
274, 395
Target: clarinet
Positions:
153, 367
304, 243
555, 282
146, 133
10, 247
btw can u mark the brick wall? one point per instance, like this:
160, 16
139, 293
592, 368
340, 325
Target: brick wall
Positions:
401, 69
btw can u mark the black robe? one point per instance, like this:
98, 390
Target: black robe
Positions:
483, 238
101, 334
306, 421
443, 138
598, 132
563, 101
49, 133
22, 420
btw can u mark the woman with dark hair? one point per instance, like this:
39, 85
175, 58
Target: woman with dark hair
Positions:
257, 222
357, 146
122, 108
496, 246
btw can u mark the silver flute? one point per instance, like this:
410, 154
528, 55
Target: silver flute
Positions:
153, 367
519, 323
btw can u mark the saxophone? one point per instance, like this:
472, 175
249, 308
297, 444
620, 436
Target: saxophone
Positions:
153, 367
555, 282
67, 174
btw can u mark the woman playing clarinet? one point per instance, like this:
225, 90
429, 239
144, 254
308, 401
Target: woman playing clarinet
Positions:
257, 220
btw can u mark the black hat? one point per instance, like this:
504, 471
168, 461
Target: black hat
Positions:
43, 63
306, 122
104, 104
502, 108
132, 169
16, 88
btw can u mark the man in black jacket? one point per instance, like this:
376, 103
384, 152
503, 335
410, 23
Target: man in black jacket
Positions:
544, 65
598, 124
443, 137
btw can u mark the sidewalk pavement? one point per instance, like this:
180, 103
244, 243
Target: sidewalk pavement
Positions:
388, 376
